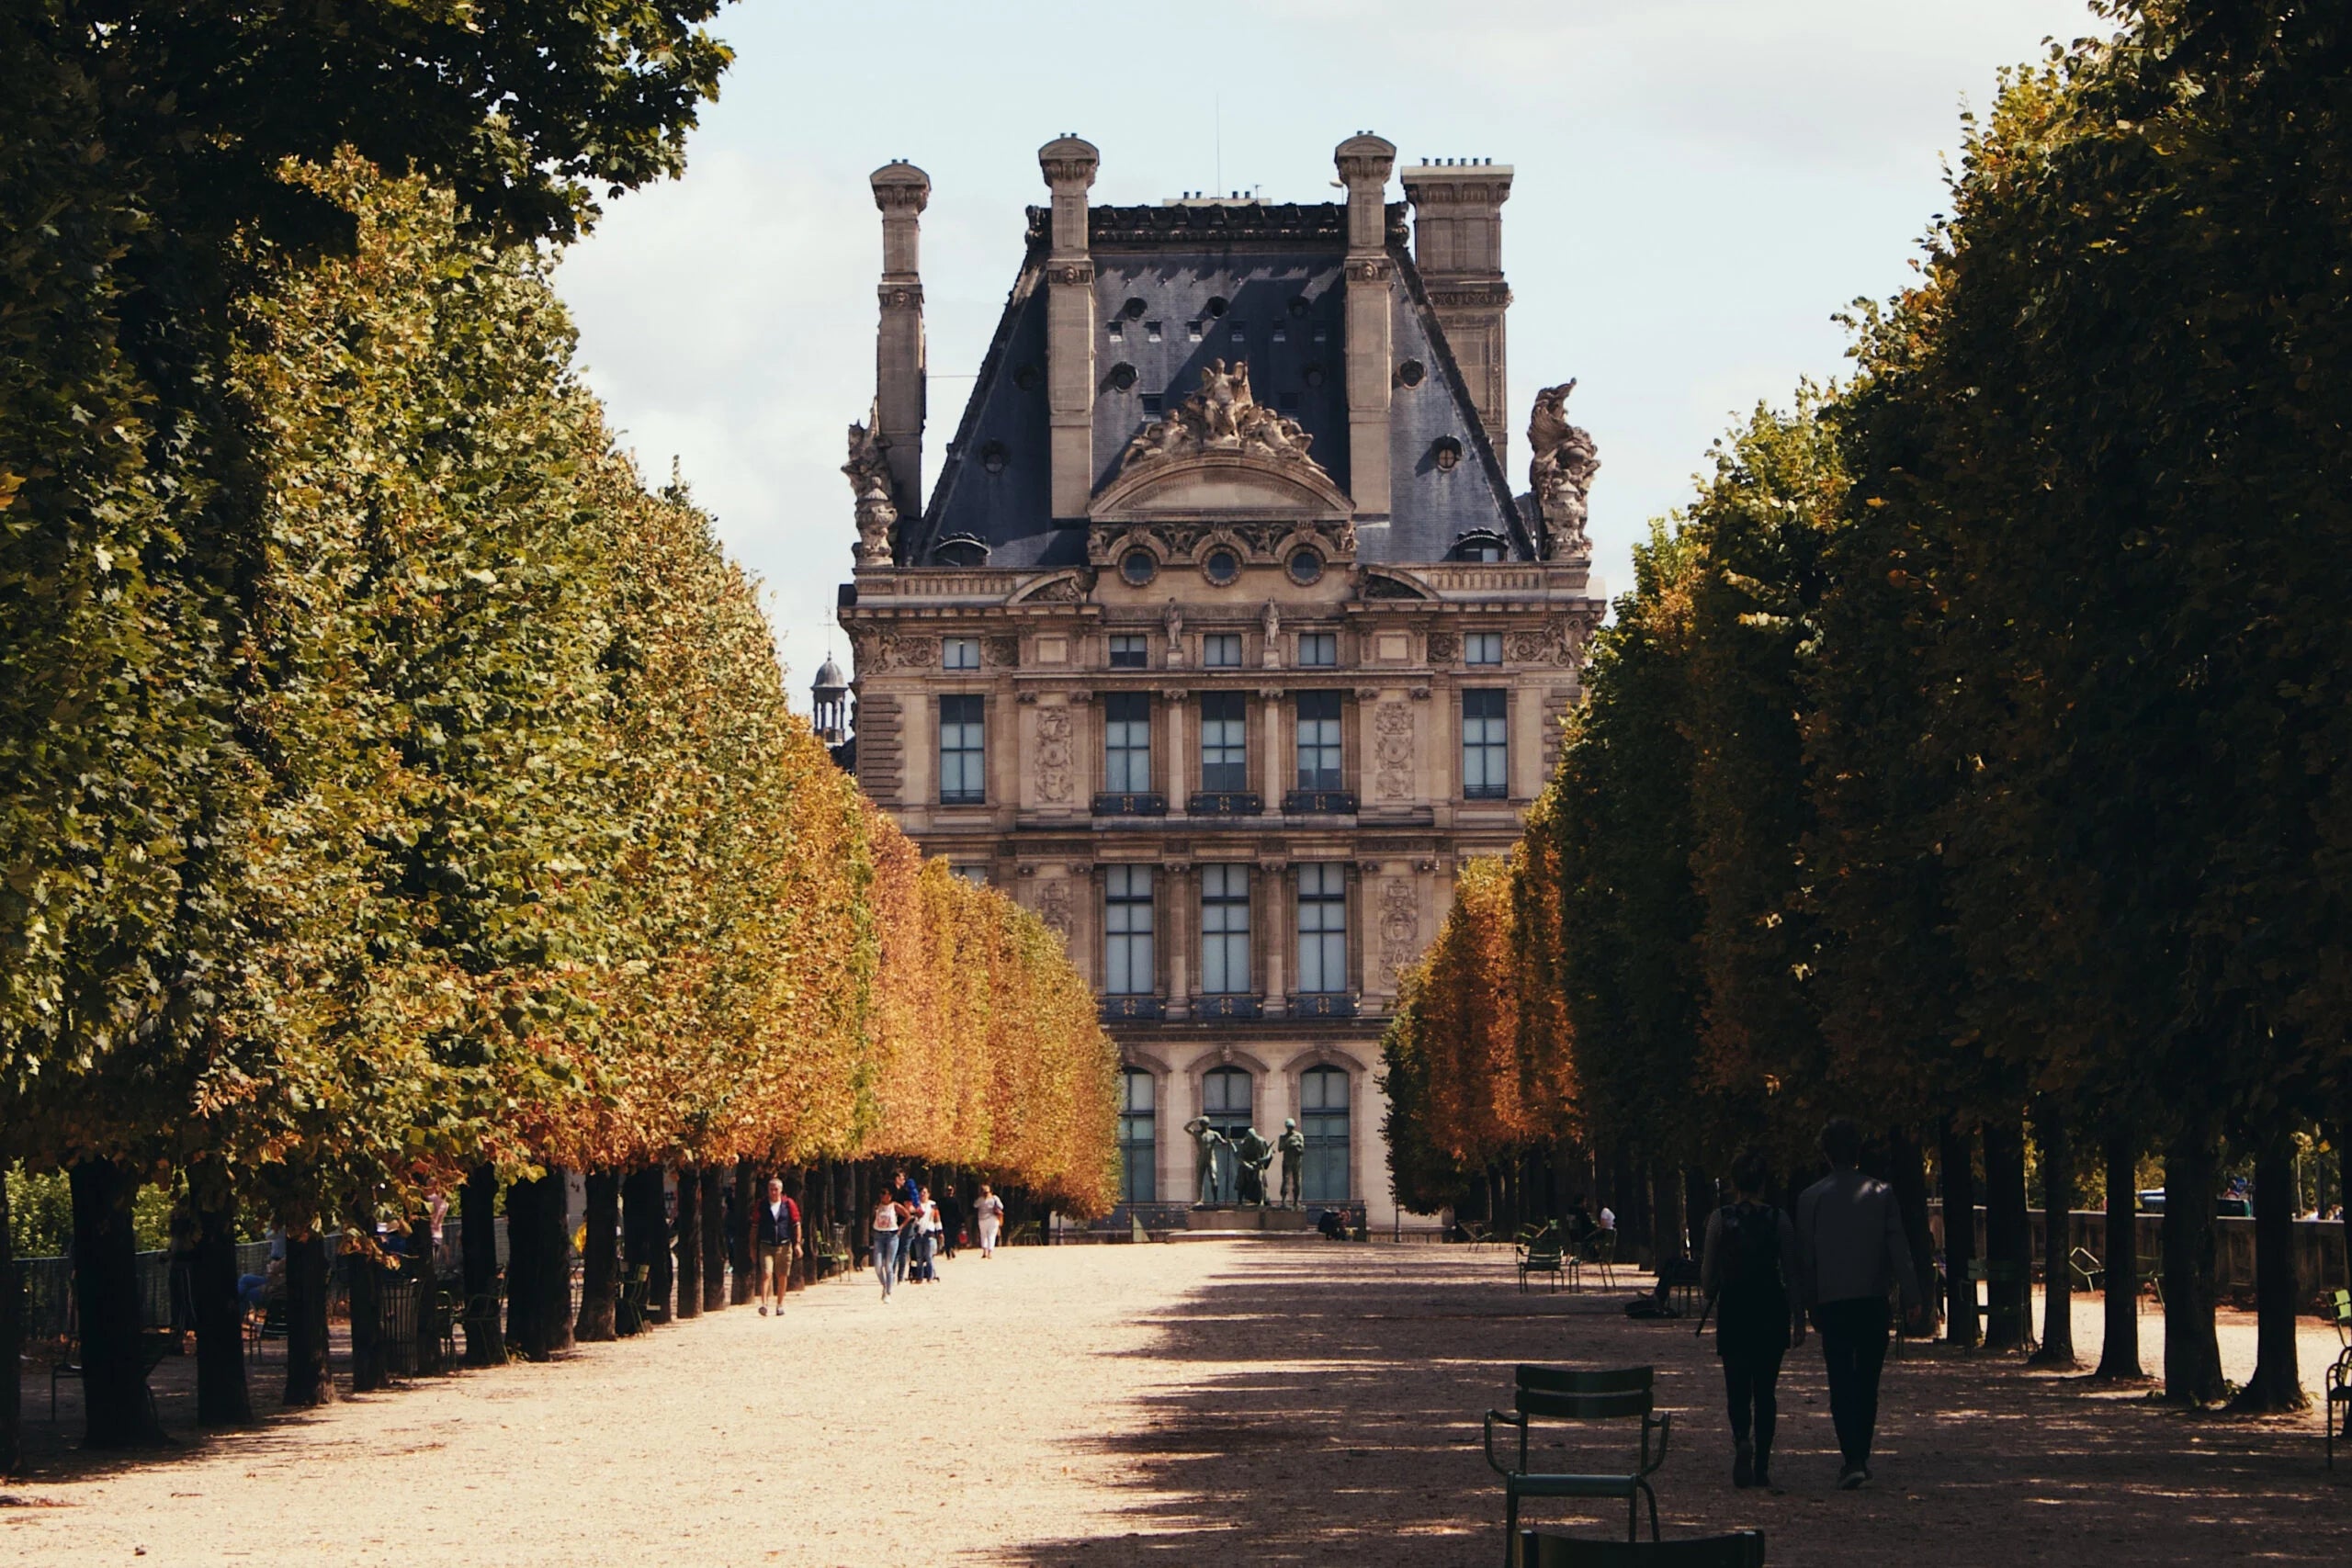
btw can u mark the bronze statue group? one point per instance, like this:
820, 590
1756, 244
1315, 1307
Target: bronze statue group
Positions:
1251, 1154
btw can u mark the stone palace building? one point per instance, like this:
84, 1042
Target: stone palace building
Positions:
1224, 635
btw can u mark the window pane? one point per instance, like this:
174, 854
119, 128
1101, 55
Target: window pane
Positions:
1483, 648
960, 652
1225, 1093
1323, 1120
1322, 929
1225, 929
1318, 648
1221, 651
1126, 743
1128, 651
1126, 931
1225, 750
962, 776
1485, 752
1319, 740
1138, 1138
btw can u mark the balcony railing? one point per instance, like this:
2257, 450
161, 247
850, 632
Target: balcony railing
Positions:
1226, 802
1319, 803
1323, 1004
1131, 803
1116, 1008
1223, 1007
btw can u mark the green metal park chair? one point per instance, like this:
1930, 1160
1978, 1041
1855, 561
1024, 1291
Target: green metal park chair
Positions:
1544, 1255
1557, 1393
1742, 1549
2339, 1377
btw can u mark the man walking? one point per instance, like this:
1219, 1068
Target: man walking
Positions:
779, 1234
1850, 1251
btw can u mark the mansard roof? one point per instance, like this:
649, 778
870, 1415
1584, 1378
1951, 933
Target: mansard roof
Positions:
1185, 284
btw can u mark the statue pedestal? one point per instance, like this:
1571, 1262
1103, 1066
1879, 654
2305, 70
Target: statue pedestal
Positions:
1249, 1219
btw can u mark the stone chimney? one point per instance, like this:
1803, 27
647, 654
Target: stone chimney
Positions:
1458, 248
1365, 161
901, 191
1069, 163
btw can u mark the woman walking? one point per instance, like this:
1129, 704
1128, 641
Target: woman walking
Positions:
1751, 1249
889, 1217
988, 1210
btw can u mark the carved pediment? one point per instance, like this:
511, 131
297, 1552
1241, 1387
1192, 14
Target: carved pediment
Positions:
1223, 483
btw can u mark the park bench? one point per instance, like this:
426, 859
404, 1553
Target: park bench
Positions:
2339, 1377
1742, 1549
1557, 1393
1025, 1234
829, 1248
1544, 1255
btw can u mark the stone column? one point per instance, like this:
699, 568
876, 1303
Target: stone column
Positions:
1177, 906
1280, 773
1275, 910
901, 191
1070, 164
1364, 161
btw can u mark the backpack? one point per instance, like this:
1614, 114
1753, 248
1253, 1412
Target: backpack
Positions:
1752, 1274
788, 1232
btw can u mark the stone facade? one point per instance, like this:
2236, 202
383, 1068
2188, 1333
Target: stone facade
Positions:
1223, 715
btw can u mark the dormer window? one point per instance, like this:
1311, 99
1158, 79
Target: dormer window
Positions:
960, 549
1480, 544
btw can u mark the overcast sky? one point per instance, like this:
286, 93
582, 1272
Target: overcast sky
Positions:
1702, 185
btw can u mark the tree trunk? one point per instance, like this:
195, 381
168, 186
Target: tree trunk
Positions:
538, 1272
221, 1397
739, 1239
118, 1411
642, 1240
478, 1235
2057, 1237
714, 1238
2118, 1350
662, 1276
2192, 1352
686, 1240
12, 1335
1956, 1154
2277, 1381
308, 1380
1673, 1236
1906, 1172
370, 1364
2009, 1235
599, 1267
429, 1318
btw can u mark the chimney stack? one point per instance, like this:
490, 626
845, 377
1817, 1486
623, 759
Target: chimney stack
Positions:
1364, 161
1069, 163
901, 191
1458, 247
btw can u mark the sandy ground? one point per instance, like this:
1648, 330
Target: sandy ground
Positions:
1239, 1402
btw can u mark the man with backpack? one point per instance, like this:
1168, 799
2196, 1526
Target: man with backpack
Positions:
778, 1236
1750, 1251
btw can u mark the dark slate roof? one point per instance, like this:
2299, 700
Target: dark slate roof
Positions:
1184, 286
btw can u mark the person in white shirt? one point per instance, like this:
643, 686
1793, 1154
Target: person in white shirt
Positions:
987, 1213
889, 1218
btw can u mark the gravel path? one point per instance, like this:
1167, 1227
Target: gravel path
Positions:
1174, 1405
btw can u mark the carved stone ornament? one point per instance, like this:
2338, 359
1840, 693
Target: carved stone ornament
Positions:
910, 652
1054, 908
1559, 473
1003, 652
1442, 646
1548, 645
869, 481
1220, 417
1400, 925
1053, 754
1392, 750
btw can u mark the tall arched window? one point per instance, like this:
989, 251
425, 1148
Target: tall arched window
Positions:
1138, 1138
1225, 1101
1323, 1118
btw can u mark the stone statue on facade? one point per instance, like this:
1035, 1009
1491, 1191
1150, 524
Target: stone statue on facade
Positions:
1253, 1154
1206, 1141
1270, 622
1560, 467
869, 481
1174, 620
1221, 417
1293, 1144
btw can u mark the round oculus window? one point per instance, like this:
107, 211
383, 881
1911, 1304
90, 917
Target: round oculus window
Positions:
1123, 375
1305, 566
1139, 567
1411, 372
1221, 566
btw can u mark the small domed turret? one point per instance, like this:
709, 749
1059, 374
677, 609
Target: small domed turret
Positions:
828, 704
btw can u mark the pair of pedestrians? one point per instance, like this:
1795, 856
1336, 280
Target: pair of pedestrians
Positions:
1846, 1251
906, 1231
